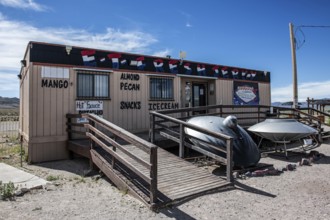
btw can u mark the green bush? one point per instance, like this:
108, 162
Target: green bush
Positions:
52, 178
7, 190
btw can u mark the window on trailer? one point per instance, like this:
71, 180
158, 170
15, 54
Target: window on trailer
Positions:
93, 86
161, 88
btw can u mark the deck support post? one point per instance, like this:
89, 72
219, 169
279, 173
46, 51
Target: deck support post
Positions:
153, 175
182, 137
92, 143
69, 128
229, 168
152, 128
113, 161
92, 124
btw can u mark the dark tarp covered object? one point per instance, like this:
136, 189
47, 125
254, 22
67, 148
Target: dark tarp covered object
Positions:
245, 151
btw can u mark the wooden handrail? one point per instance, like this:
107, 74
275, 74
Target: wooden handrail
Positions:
316, 110
117, 145
110, 145
165, 120
72, 126
182, 139
122, 133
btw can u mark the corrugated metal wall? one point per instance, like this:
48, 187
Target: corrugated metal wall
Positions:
224, 92
264, 94
48, 107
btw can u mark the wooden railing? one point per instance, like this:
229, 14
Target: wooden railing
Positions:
171, 124
174, 129
105, 134
246, 115
317, 113
75, 130
302, 115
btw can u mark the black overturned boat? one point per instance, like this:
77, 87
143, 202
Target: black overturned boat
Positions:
245, 151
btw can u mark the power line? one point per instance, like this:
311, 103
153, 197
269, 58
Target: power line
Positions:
315, 26
299, 43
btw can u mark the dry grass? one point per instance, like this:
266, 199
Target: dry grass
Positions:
9, 111
10, 150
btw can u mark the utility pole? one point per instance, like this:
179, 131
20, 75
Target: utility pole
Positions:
294, 67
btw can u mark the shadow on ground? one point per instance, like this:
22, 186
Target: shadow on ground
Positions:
79, 166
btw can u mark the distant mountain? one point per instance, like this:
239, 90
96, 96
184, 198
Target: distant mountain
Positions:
8, 102
289, 104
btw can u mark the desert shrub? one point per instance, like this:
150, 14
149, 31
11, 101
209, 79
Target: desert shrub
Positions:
52, 178
7, 190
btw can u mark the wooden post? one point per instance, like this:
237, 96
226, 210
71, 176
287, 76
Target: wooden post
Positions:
181, 147
92, 123
92, 143
308, 109
220, 110
21, 153
294, 67
69, 127
229, 168
153, 175
152, 128
113, 157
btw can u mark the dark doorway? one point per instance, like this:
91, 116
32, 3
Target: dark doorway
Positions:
199, 96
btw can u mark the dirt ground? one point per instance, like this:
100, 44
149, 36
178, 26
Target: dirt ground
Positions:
300, 194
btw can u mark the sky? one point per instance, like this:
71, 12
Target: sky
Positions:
251, 34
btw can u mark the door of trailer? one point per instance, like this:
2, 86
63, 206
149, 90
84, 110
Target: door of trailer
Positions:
199, 96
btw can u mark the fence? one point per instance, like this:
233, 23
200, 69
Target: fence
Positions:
9, 126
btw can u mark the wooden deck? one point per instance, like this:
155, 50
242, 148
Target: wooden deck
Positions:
140, 168
178, 179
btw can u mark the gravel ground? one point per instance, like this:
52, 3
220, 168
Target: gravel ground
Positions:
300, 194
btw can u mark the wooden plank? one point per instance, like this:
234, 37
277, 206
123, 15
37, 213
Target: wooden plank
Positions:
207, 153
83, 151
172, 176
116, 177
199, 183
209, 144
194, 188
75, 124
76, 132
196, 193
169, 137
187, 180
122, 133
114, 143
153, 175
118, 157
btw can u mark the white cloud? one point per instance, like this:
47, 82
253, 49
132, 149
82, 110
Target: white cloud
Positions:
188, 25
162, 53
316, 90
24, 4
9, 85
15, 35
187, 17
